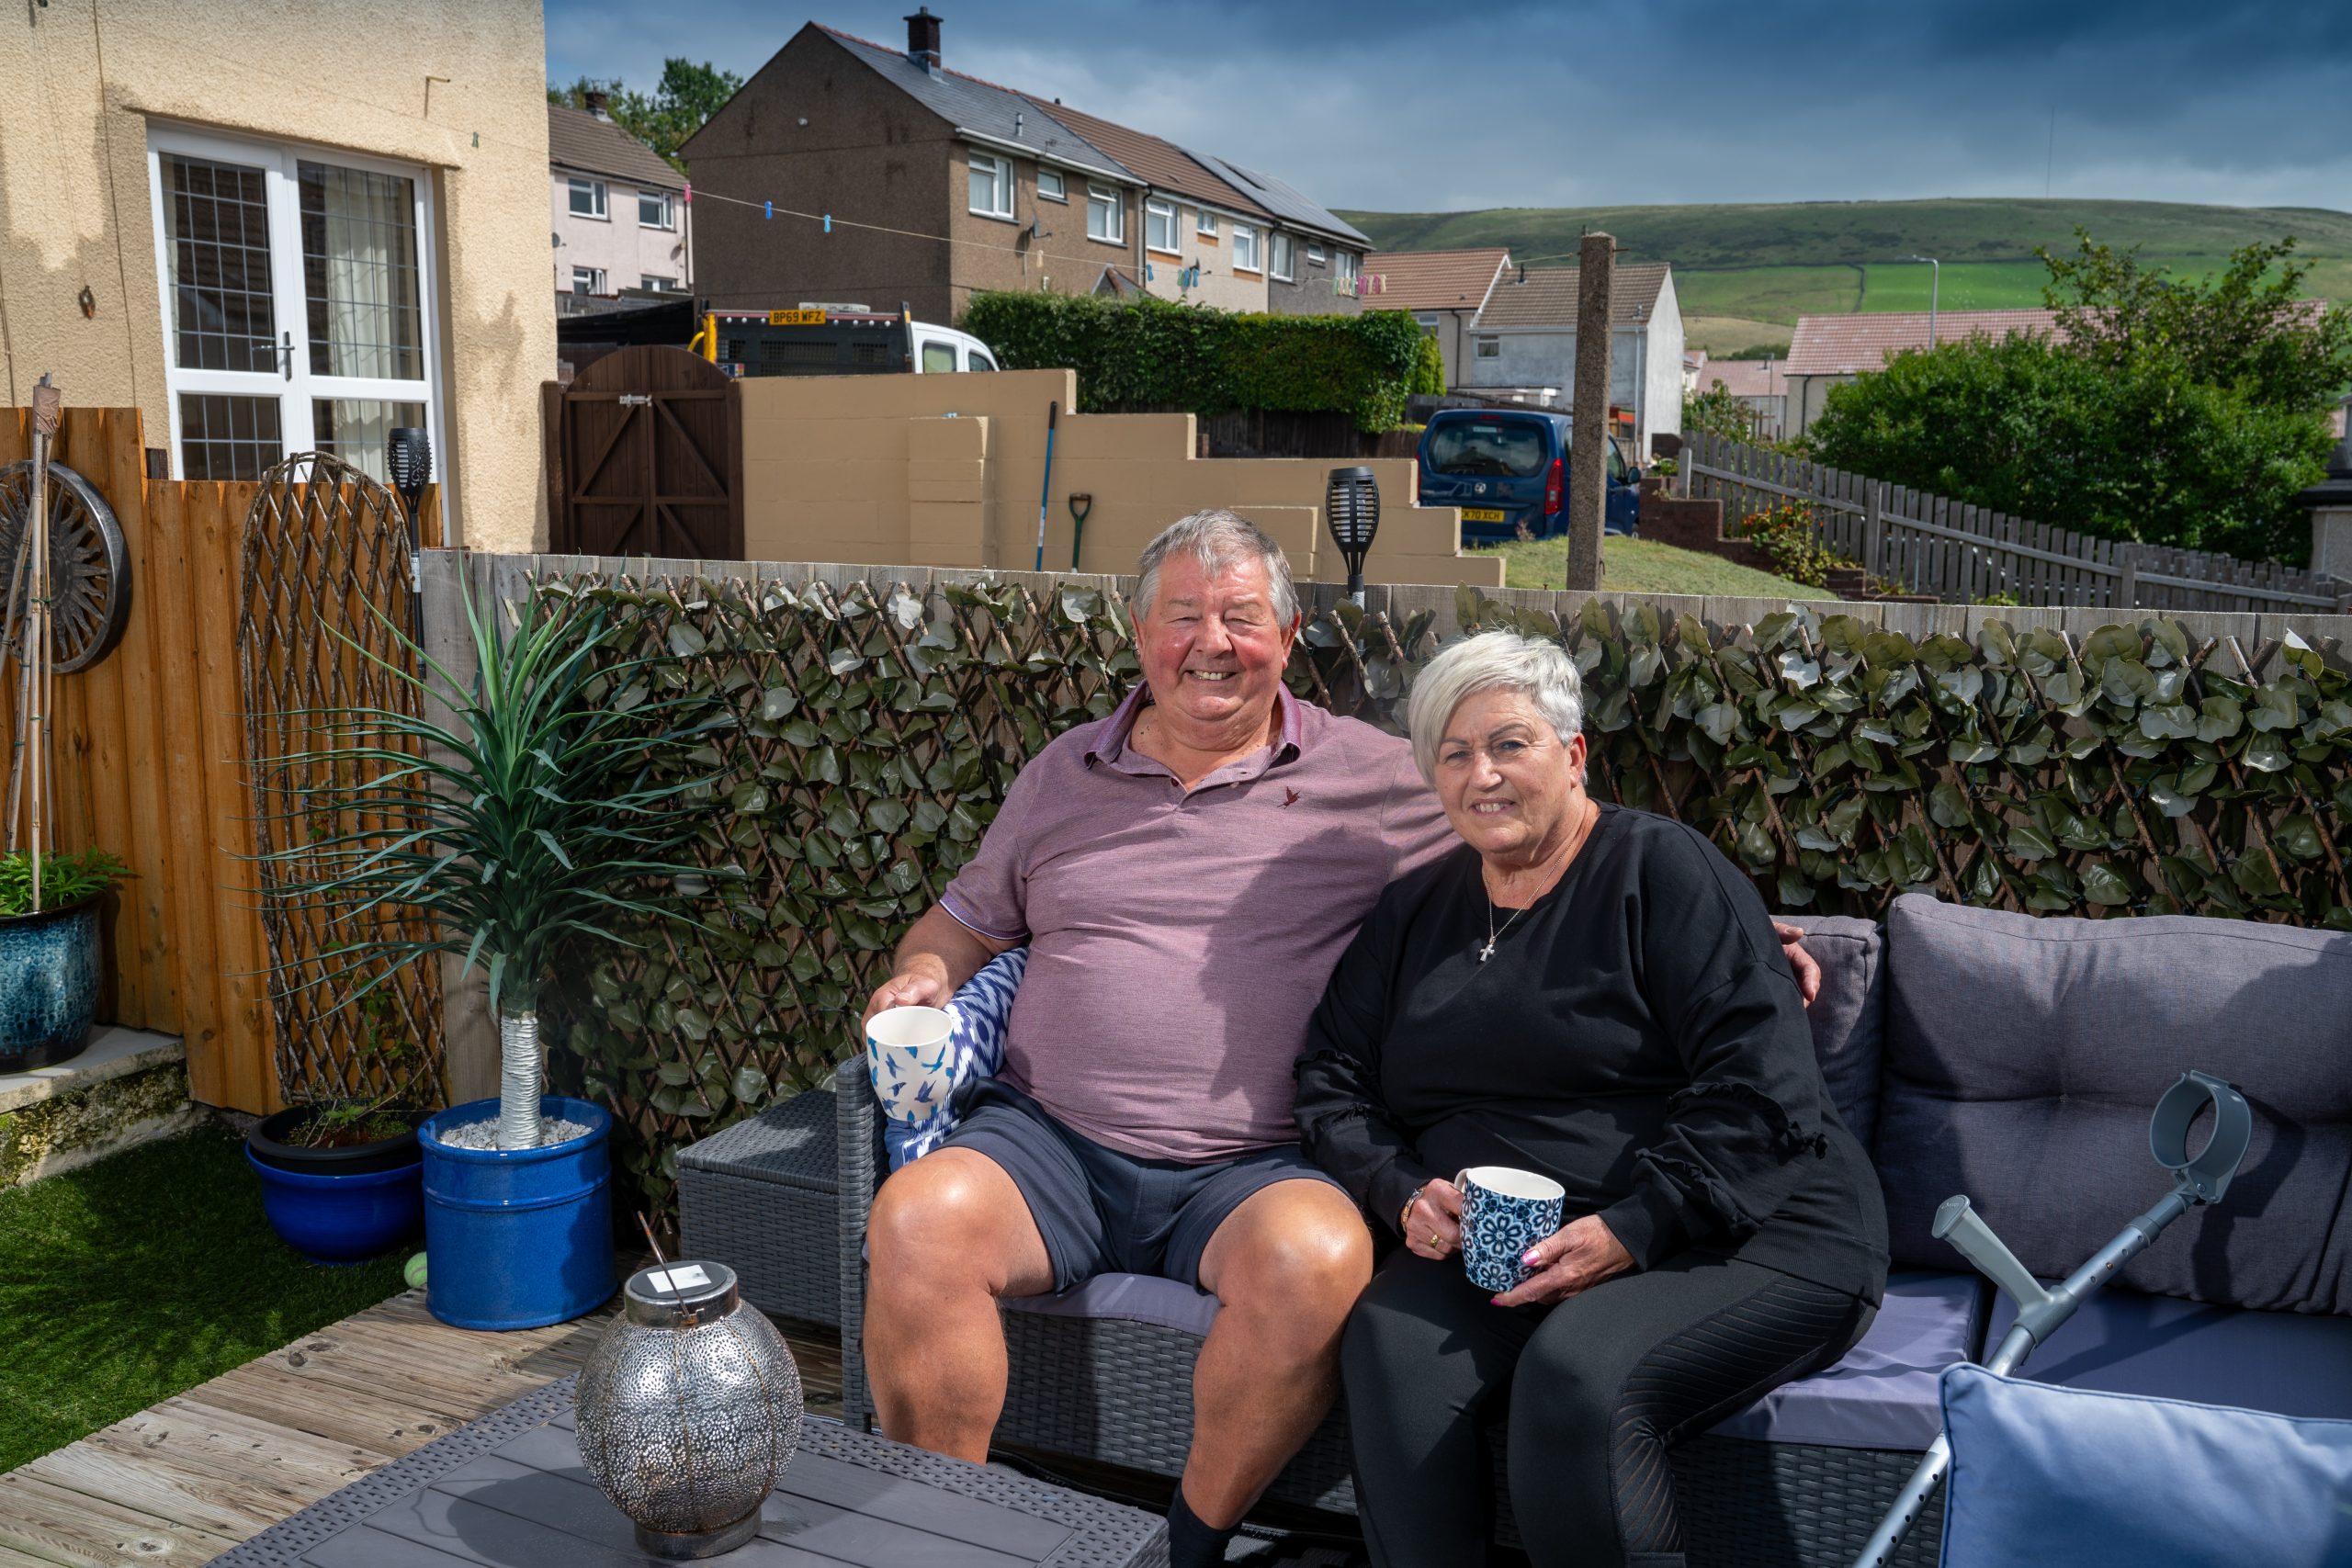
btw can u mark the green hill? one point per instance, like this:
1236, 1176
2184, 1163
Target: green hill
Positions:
1748, 272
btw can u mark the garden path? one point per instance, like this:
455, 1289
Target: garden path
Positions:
185, 1480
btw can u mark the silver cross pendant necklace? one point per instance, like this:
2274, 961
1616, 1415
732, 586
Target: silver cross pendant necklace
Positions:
1494, 934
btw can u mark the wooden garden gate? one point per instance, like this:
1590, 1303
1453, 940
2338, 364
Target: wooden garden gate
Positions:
645, 457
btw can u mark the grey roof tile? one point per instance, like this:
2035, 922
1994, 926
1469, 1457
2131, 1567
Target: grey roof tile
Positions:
984, 108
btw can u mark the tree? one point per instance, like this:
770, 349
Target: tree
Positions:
2138, 449
680, 105
1719, 414
2249, 329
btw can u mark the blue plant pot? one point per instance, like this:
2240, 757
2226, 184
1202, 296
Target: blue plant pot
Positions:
517, 1239
344, 1217
49, 984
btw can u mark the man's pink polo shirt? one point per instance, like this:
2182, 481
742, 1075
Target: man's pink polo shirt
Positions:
1178, 941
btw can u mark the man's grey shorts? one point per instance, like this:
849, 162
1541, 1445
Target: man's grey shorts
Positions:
1103, 1212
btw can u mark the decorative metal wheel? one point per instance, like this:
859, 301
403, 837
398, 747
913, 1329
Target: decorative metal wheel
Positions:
89, 566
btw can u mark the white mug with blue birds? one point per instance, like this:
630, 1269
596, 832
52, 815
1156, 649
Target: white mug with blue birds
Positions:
907, 1056
1504, 1212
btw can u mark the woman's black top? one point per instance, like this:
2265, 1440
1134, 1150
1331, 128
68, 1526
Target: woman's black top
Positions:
1637, 1036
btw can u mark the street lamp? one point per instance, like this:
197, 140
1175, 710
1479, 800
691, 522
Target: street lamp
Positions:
1351, 510
1934, 286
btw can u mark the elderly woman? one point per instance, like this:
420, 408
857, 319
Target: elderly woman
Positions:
1596, 995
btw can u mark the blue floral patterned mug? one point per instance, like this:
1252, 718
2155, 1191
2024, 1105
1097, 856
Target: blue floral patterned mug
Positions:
1504, 1212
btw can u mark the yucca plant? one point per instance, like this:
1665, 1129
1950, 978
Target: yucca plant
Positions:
531, 815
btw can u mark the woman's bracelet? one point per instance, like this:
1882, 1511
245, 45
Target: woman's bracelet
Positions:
1404, 1215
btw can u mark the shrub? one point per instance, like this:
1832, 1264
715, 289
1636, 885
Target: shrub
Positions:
1786, 534
1429, 368
1153, 354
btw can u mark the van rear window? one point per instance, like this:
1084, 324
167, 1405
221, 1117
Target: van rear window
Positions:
1510, 448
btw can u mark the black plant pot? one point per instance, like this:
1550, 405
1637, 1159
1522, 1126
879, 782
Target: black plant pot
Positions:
49, 984
338, 1205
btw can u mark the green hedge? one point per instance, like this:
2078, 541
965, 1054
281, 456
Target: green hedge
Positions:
1155, 354
867, 736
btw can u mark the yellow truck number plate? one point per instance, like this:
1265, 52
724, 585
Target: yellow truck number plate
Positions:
1481, 514
796, 318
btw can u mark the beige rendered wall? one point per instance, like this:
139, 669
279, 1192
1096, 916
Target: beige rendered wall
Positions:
873, 469
458, 86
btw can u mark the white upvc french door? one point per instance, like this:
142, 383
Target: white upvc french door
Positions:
300, 298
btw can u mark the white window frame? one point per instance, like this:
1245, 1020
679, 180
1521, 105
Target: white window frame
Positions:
658, 285
1248, 239
1000, 181
1486, 348
1314, 252
293, 382
1205, 224
1061, 191
598, 198
598, 282
1343, 264
1118, 211
1427, 321
669, 209
1282, 258
1157, 212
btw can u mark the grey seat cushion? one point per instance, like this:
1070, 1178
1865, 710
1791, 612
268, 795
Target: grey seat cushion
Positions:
2023, 1057
2122, 1342
1847, 1016
1883, 1392
1137, 1298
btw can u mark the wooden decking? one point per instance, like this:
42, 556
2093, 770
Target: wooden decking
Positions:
184, 1481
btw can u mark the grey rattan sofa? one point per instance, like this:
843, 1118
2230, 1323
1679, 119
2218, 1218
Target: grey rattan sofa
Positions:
2012, 1058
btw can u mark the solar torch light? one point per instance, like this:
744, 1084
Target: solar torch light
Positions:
409, 456
1351, 510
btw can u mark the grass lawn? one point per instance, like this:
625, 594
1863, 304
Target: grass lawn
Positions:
1639, 565
1724, 336
145, 1274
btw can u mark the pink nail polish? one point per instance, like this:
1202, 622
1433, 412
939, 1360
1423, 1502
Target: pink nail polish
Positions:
1529, 1258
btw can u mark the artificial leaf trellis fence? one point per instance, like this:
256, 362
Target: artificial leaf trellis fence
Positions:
868, 731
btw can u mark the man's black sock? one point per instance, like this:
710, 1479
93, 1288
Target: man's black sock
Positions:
1191, 1544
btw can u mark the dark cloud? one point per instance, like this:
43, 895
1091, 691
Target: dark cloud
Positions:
1397, 104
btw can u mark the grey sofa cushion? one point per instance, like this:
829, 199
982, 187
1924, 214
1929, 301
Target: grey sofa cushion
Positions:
1847, 1016
2287, 1363
1883, 1392
1137, 1298
2023, 1057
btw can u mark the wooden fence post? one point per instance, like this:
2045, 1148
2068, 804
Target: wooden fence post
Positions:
2127, 588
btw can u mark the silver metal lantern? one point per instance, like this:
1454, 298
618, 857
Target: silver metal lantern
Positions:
688, 1410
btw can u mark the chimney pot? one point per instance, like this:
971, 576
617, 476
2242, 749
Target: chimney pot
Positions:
923, 38
596, 102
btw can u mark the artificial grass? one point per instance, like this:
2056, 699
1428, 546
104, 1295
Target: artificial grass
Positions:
1644, 566
147, 1273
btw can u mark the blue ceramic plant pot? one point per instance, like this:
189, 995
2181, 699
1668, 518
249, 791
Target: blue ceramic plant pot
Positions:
49, 984
517, 1239
338, 1204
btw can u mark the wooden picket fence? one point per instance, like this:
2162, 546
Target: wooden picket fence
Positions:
1966, 554
149, 741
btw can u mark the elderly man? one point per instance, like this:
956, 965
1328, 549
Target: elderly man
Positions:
1186, 872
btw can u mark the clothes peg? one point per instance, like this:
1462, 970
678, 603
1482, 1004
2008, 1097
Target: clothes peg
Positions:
829, 223
771, 211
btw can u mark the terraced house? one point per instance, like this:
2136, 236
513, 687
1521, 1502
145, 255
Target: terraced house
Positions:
848, 172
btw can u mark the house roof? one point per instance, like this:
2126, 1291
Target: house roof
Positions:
1746, 377
1284, 201
1162, 163
1437, 280
984, 110
1847, 346
578, 140
1548, 296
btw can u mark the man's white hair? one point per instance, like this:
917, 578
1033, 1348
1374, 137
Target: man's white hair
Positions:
1218, 539
1538, 670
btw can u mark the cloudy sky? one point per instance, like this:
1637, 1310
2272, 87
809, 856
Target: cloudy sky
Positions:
1435, 106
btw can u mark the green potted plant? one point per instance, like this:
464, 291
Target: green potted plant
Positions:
49, 953
526, 813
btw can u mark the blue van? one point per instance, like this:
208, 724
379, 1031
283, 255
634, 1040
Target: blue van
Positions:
1507, 468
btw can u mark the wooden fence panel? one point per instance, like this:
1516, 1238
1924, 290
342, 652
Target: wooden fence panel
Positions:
151, 742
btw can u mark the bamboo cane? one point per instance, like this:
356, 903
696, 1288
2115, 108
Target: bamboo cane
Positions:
45, 413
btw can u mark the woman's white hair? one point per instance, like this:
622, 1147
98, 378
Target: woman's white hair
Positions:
1218, 539
1541, 672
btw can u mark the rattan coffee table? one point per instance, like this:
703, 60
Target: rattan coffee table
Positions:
508, 1491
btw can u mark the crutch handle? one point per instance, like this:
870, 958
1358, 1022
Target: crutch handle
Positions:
1959, 1224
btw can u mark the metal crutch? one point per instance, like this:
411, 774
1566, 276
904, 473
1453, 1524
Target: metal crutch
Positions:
2197, 1180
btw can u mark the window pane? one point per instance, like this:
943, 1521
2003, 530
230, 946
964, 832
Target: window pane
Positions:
975, 360
357, 430
216, 228
1103, 215
228, 438
1049, 183
986, 175
938, 356
588, 197
1159, 227
359, 273
1208, 223
654, 209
